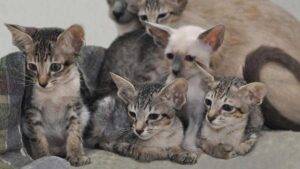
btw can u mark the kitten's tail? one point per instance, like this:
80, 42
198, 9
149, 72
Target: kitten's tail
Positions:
254, 63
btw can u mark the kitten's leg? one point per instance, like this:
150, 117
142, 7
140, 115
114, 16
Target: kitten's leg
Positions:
75, 151
34, 130
181, 156
141, 153
190, 136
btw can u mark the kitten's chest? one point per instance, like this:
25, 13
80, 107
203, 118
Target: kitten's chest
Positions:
54, 104
195, 95
230, 136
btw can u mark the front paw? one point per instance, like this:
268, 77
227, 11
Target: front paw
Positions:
186, 157
79, 160
124, 149
224, 151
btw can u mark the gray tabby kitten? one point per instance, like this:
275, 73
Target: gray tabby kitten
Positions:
125, 20
54, 113
233, 119
151, 130
133, 55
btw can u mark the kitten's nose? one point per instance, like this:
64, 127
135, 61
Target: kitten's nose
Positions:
43, 84
118, 14
175, 72
211, 118
139, 132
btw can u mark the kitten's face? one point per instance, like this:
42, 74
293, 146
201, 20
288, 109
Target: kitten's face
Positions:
148, 120
49, 53
152, 107
187, 45
119, 12
158, 11
229, 100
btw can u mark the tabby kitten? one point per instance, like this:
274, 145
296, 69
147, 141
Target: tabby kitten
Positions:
233, 119
183, 47
54, 113
157, 132
125, 20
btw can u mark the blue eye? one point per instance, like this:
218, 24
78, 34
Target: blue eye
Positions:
162, 15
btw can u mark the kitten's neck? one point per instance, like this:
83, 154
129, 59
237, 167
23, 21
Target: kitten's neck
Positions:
128, 27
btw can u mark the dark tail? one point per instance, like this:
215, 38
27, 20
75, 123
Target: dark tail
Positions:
254, 64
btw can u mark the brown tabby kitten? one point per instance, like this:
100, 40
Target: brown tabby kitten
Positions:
233, 118
151, 130
54, 113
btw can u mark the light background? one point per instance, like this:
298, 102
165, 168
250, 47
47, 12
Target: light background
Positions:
92, 14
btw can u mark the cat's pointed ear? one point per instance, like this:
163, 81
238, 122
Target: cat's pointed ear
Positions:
175, 93
179, 5
160, 33
253, 93
206, 77
71, 40
133, 5
21, 36
213, 37
126, 90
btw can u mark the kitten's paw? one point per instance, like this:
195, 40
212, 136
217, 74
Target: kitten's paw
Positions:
79, 160
185, 157
245, 147
124, 149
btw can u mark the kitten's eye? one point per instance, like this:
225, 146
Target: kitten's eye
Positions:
227, 107
144, 17
132, 114
208, 102
170, 56
32, 67
162, 15
189, 58
55, 67
153, 116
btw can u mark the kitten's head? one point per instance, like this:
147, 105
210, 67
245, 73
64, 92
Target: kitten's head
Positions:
230, 100
119, 12
158, 11
187, 45
152, 106
50, 52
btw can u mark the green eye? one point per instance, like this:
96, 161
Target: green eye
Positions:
208, 102
32, 67
153, 116
143, 17
132, 114
227, 107
55, 67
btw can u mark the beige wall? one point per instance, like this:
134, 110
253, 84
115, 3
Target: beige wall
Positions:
92, 14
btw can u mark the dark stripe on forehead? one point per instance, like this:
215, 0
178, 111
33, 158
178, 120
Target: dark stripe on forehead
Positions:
44, 40
145, 96
152, 5
225, 85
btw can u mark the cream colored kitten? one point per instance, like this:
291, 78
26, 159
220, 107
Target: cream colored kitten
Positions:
183, 47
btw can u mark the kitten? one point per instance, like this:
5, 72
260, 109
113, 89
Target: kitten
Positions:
135, 56
249, 24
184, 46
233, 119
125, 20
157, 132
54, 113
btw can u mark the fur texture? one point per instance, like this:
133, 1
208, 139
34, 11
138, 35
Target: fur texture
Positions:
54, 115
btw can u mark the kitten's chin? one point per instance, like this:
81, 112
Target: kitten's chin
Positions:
145, 137
215, 126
